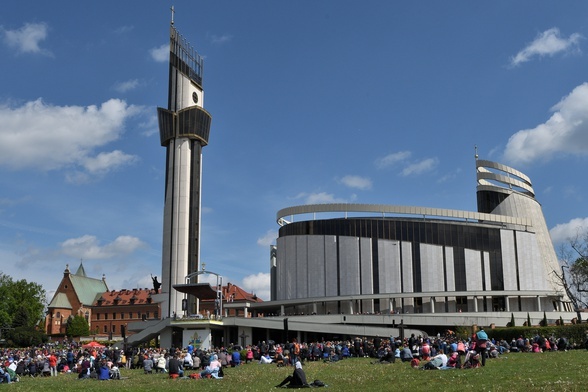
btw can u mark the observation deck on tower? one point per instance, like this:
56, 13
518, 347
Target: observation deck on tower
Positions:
191, 122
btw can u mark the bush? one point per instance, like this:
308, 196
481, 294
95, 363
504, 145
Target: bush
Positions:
575, 333
25, 337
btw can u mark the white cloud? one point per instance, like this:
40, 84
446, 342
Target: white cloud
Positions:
210, 279
45, 137
259, 284
319, 198
268, 239
449, 176
562, 232
206, 210
220, 39
106, 161
392, 159
421, 167
547, 43
123, 87
357, 182
87, 247
27, 38
124, 29
160, 54
565, 132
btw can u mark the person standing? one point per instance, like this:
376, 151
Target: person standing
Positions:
53, 364
481, 344
294, 351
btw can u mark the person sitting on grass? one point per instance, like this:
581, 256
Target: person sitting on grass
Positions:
249, 355
436, 362
103, 371
188, 361
212, 369
85, 368
406, 354
148, 365
161, 364
4, 376
297, 379
265, 359
175, 367
235, 358
453, 360
387, 357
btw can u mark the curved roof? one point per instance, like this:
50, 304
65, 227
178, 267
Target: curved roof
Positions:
506, 178
390, 209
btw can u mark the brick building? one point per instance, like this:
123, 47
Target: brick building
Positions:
74, 296
230, 294
107, 311
113, 310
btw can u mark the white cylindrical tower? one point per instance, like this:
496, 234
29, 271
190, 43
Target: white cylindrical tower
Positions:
184, 128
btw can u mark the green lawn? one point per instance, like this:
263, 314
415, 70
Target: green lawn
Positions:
557, 371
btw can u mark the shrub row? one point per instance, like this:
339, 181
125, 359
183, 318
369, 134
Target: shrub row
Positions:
575, 333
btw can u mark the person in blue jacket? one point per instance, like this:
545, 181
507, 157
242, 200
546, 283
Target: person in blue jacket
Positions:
104, 371
235, 358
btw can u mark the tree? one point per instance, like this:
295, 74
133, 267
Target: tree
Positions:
77, 326
574, 269
543, 322
21, 318
25, 337
22, 302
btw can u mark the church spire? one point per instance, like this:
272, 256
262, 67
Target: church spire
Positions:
81, 271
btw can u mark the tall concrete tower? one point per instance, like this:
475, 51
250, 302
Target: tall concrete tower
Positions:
184, 128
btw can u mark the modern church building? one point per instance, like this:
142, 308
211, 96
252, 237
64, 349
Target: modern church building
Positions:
358, 270
415, 260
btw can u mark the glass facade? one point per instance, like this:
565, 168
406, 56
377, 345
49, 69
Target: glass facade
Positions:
193, 122
488, 201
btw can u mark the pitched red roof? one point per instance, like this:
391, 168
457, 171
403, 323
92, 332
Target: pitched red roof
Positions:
124, 297
234, 293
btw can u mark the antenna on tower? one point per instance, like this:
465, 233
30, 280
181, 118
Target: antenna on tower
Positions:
476, 150
172, 12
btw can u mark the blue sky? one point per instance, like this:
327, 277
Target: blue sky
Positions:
312, 102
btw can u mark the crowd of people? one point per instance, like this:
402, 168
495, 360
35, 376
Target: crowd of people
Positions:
104, 363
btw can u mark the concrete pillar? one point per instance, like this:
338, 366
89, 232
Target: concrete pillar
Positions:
538, 303
282, 312
432, 304
476, 304
507, 301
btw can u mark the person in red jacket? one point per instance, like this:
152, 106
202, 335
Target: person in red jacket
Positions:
53, 364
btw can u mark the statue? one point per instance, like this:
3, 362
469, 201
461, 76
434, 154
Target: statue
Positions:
156, 284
